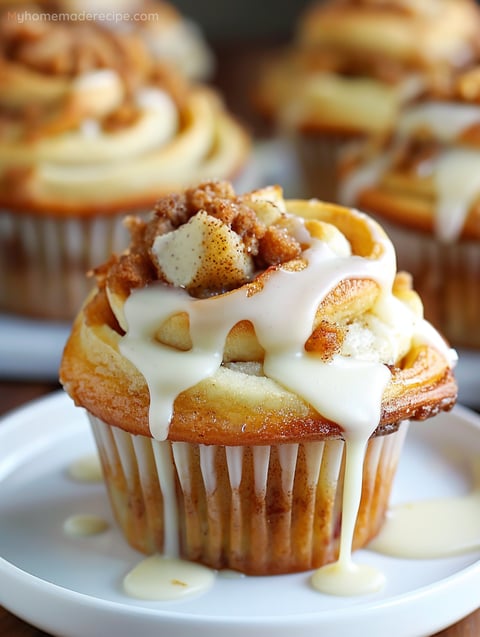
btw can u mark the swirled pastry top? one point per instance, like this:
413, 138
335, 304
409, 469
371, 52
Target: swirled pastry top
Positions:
251, 320
353, 63
427, 176
407, 32
167, 33
89, 119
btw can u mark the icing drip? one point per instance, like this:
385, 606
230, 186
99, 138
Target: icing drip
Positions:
445, 120
346, 390
429, 529
329, 385
344, 577
455, 170
161, 578
84, 525
86, 469
457, 183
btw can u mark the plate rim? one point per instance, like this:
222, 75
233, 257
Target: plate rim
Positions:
58, 399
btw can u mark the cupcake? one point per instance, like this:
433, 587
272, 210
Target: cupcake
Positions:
353, 65
241, 363
91, 128
169, 35
424, 185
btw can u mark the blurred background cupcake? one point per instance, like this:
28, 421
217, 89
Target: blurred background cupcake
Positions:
168, 34
425, 185
92, 126
352, 65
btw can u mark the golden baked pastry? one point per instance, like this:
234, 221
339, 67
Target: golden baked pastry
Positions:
252, 335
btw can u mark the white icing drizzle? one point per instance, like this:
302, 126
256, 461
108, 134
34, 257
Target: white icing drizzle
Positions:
431, 528
166, 476
455, 171
283, 338
330, 385
345, 390
84, 525
345, 577
435, 528
162, 578
445, 120
86, 469
227, 573
457, 183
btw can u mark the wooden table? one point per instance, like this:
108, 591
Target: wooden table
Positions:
13, 394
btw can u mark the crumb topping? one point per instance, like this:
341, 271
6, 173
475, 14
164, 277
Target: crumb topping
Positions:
207, 240
260, 244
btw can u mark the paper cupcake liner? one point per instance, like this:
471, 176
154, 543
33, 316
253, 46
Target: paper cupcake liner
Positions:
44, 260
447, 278
257, 509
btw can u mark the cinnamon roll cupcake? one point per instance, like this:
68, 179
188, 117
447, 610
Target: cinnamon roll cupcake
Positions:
246, 361
424, 185
353, 65
91, 127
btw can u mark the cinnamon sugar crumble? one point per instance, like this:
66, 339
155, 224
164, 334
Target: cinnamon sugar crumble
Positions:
266, 245
218, 200
277, 246
274, 247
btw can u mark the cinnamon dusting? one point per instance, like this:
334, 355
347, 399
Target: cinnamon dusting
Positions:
136, 268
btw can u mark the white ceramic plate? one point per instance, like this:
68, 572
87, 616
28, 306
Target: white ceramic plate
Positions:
72, 587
